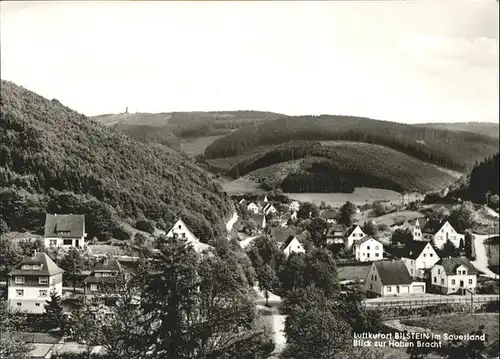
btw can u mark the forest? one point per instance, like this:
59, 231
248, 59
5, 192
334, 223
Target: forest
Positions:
456, 150
54, 159
340, 167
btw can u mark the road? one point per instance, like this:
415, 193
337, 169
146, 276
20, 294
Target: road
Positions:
246, 242
278, 320
481, 262
231, 222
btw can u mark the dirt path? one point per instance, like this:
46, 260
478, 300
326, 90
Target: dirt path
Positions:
481, 262
231, 222
278, 320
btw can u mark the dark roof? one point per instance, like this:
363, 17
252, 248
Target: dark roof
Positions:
64, 225
393, 272
433, 225
337, 227
328, 214
365, 239
108, 264
280, 234
412, 250
422, 222
48, 267
287, 241
450, 265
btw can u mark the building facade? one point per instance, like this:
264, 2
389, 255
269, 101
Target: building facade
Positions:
64, 230
368, 249
453, 276
31, 281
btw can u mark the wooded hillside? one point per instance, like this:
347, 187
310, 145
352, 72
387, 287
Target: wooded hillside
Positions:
54, 159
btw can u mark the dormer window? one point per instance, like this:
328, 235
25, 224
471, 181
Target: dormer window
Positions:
36, 267
98, 274
26, 266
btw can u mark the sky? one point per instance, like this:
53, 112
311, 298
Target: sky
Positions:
408, 61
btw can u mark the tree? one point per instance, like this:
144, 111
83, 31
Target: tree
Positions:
267, 280
139, 239
54, 311
4, 228
10, 345
449, 250
321, 271
317, 229
10, 256
438, 213
401, 236
370, 228
347, 213
322, 205
307, 210
291, 273
462, 216
28, 246
145, 226
469, 246
73, 263
379, 208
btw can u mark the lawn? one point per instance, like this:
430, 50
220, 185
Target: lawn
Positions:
493, 251
391, 218
193, 147
360, 196
459, 323
241, 186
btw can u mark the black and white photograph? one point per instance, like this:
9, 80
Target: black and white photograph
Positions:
249, 179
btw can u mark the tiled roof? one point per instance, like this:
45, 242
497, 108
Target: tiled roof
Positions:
393, 272
412, 250
433, 226
48, 267
328, 214
450, 265
100, 280
280, 234
64, 225
365, 239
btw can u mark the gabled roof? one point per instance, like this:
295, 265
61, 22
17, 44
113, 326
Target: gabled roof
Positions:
48, 267
412, 250
181, 223
64, 225
352, 228
450, 265
433, 226
422, 222
366, 239
287, 241
392, 272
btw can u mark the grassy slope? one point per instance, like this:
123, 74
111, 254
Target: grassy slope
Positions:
372, 160
45, 146
450, 149
481, 128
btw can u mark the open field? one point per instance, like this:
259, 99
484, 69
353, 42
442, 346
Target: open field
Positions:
193, 147
360, 196
391, 218
241, 186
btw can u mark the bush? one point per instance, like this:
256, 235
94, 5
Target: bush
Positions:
145, 226
121, 233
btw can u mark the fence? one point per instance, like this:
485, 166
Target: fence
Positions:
423, 302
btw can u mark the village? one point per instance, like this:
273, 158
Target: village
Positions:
422, 260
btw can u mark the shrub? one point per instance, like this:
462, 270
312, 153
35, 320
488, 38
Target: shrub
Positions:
145, 226
121, 233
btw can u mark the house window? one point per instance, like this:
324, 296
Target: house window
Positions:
389, 289
42, 293
368, 247
453, 281
179, 226
20, 292
431, 255
442, 281
68, 242
53, 242
98, 274
470, 281
368, 255
376, 254
425, 255
19, 280
376, 248
375, 277
36, 267
18, 304
435, 279
26, 266
93, 287
439, 271
43, 280
411, 271
106, 274
37, 304
183, 235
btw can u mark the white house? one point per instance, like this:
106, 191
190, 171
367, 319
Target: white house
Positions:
441, 231
418, 256
335, 234
368, 249
31, 282
294, 206
103, 278
253, 207
354, 234
391, 278
292, 245
452, 275
181, 230
269, 208
64, 230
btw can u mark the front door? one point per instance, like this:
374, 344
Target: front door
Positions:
397, 289
77, 243
461, 283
